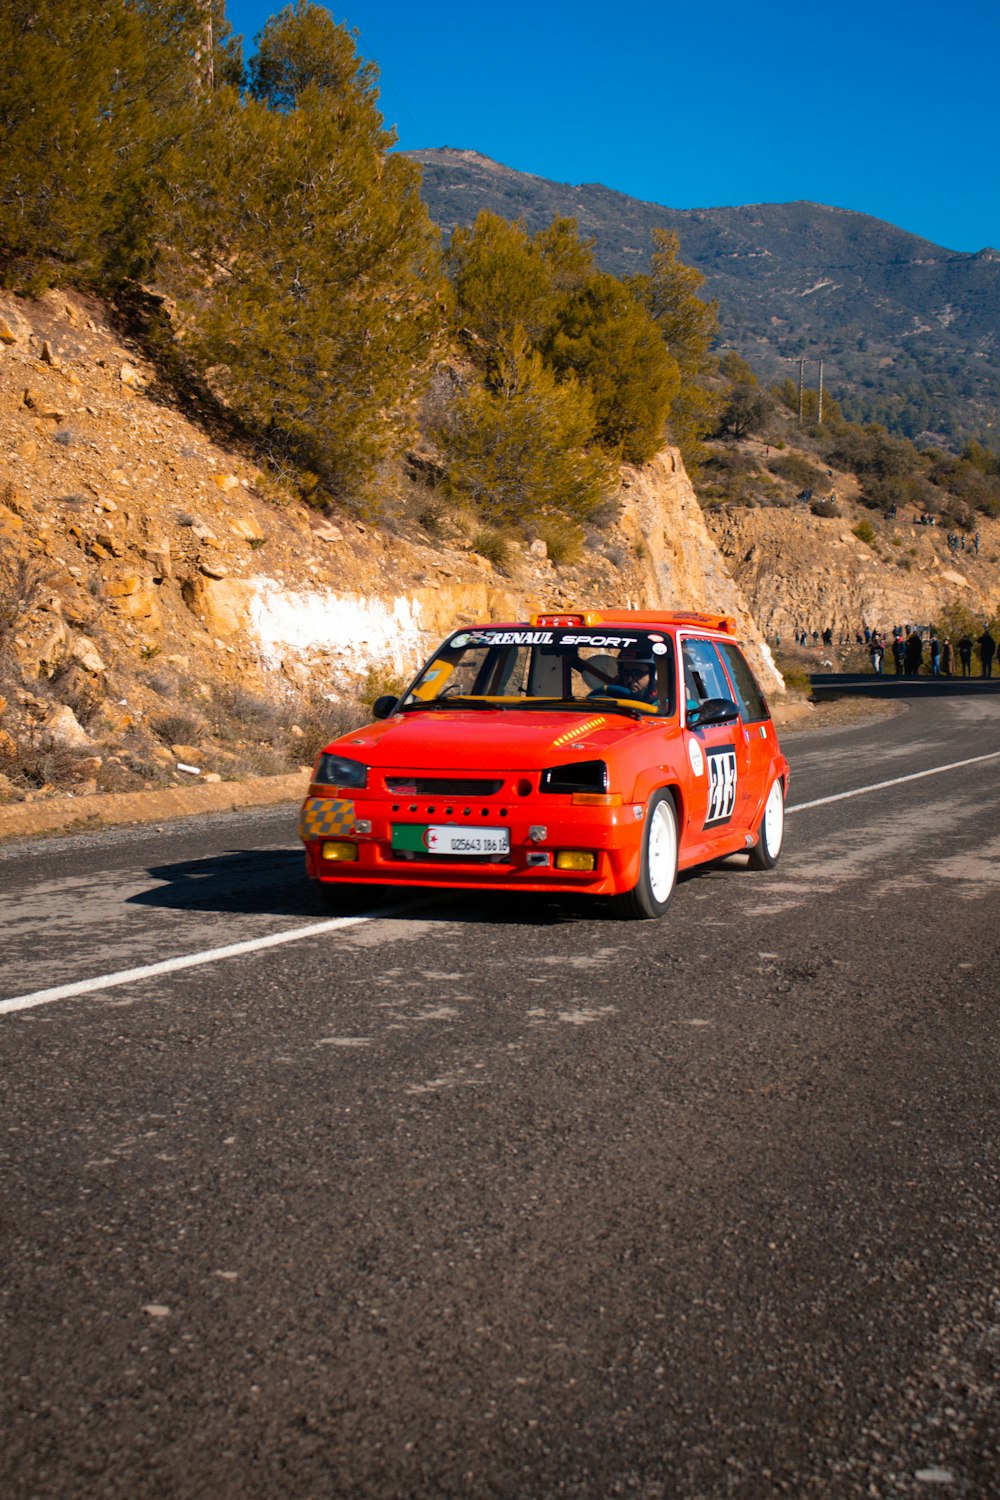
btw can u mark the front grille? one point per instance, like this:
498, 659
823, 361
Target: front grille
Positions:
440, 786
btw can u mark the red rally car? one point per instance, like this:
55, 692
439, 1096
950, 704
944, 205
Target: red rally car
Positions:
597, 752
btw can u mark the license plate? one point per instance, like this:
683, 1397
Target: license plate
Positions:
447, 838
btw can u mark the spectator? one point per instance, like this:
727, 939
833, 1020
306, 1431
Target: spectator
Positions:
914, 654
935, 655
987, 651
875, 651
965, 655
898, 654
947, 657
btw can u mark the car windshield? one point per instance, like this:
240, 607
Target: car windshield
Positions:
630, 671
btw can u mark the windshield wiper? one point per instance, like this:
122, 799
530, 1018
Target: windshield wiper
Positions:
584, 705
457, 702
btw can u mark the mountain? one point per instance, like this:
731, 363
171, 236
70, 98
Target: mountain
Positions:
908, 331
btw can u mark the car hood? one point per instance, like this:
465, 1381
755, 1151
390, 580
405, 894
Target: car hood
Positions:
471, 739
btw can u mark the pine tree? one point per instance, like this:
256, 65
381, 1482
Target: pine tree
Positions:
615, 349
299, 47
517, 449
59, 117
746, 406
89, 98
502, 283
303, 264
568, 259
689, 325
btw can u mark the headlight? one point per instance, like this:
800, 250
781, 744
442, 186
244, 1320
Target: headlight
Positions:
580, 776
337, 770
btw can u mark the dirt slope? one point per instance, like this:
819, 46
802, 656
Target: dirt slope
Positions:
799, 572
163, 607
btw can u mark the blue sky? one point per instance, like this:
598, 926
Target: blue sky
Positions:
892, 109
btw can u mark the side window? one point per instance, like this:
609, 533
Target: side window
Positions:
703, 674
751, 701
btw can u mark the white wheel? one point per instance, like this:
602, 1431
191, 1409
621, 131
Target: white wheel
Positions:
765, 853
661, 853
658, 872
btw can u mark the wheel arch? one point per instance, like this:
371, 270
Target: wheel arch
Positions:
658, 780
646, 787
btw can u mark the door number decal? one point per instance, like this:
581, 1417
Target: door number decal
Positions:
721, 784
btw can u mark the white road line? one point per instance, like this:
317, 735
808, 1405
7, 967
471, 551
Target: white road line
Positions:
314, 929
878, 786
192, 960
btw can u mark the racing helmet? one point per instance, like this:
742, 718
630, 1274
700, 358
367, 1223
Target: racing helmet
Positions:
635, 662
639, 657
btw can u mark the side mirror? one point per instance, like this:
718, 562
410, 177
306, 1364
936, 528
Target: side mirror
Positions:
384, 706
713, 711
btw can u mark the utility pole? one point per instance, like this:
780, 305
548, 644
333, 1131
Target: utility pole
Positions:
819, 412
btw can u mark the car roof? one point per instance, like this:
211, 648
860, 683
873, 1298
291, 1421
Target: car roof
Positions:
638, 618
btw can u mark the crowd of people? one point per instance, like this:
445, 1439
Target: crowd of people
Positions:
913, 649
957, 543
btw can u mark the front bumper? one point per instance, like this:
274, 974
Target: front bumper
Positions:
612, 834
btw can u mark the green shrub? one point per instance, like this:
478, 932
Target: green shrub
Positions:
865, 532
177, 728
797, 470
378, 683
22, 581
251, 713
795, 673
797, 680
520, 444
493, 544
563, 539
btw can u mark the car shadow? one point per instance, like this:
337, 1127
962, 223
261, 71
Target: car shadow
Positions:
263, 882
272, 882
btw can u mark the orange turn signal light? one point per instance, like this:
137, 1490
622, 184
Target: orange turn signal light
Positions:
575, 859
340, 849
597, 799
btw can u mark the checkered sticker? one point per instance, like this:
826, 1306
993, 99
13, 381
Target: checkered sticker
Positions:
325, 817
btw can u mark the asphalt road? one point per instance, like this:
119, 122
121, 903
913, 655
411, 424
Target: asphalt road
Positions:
484, 1197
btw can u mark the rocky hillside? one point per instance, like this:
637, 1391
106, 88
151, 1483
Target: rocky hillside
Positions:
166, 612
804, 571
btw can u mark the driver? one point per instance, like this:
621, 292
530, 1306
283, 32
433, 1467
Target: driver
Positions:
635, 676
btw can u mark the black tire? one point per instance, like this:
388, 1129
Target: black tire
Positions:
650, 897
767, 851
